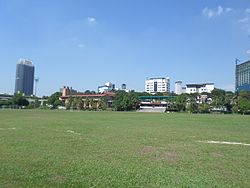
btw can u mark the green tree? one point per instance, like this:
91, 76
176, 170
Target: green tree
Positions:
19, 100
34, 104
181, 102
218, 97
5, 103
87, 102
229, 100
54, 99
78, 103
244, 105
192, 105
68, 103
243, 102
103, 104
125, 101
203, 108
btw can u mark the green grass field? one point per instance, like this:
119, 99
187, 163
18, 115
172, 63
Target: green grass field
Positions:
115, 149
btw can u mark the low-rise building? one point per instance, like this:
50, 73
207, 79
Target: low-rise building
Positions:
199, 88
96, 99
154, 103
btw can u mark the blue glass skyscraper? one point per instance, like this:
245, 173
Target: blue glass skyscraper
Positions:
24, 77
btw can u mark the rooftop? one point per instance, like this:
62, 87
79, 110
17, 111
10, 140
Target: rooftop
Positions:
89, 95
199, 85
244, 63
157, 78
25, 62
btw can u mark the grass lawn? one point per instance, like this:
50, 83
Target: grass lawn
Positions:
122, 149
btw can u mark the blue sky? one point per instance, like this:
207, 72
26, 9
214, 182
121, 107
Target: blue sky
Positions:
85, 43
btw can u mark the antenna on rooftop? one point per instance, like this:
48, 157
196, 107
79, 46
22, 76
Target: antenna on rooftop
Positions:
237, 61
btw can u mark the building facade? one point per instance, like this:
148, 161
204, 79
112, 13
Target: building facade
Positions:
199, 88
24, 77
157, 85
89, 101
178, 87
242, 77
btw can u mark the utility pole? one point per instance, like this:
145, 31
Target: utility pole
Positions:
36, 82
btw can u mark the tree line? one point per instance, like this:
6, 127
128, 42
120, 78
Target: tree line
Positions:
217, 101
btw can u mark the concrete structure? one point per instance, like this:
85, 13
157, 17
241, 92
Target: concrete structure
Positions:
242, 77
5, 97
155, 85
108, 86
178, 87
24, 77
199, 88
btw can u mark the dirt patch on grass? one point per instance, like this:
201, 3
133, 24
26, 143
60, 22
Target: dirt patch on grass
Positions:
217, 154
57, 178
160, 154
170, 157
148, 150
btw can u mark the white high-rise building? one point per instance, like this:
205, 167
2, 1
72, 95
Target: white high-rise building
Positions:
154, 85
178, 87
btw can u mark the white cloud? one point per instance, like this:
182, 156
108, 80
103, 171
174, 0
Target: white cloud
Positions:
220, 10
244, 20
81, 45
212, 12
229, 9
209, 13
91, 20
245, 23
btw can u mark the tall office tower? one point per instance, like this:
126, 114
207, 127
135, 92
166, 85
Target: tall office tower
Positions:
242, 76
24, 77
154, 85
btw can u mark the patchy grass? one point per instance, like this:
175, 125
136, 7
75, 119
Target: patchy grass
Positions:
112, 149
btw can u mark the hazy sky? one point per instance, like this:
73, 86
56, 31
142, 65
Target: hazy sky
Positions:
85, 43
